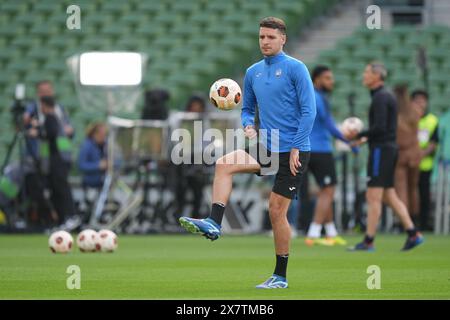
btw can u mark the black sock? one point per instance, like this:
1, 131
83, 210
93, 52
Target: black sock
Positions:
281, 266
368, 240
217, 211
411, 232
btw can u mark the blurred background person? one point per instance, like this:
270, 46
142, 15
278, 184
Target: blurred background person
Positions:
383, 155
428, 140
34, 115
155, 105
407, 168
54, 151
92, 160
321, 163
191, 177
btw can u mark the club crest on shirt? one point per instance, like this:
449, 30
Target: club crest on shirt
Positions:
278, 73
258, 74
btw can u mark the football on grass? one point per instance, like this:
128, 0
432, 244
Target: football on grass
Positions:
87, 241
107, 241
225, 94
60, 242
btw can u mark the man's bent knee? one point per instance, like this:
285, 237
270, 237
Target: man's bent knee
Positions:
374, 196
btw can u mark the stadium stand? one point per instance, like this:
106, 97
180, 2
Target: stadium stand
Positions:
192, 43
398, 49
189, 43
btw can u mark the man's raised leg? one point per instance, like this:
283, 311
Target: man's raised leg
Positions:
234, 162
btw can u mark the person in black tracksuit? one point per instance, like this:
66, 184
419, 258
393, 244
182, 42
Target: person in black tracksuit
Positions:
57, 178
383, 152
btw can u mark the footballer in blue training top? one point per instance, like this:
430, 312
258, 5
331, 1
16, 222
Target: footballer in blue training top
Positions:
280, 88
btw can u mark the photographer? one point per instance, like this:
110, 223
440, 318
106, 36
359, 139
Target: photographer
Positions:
33, 117
53, 146
48, 135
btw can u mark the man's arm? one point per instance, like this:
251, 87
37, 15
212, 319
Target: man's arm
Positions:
249, 103
68, 128
432, 145
307, 102
332, 128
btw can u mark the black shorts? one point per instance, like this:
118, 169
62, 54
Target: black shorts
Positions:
381, 166
323, 168
273, 163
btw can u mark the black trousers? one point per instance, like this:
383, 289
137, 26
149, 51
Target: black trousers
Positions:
34, 186
56, 180
189, 181
425, 198
61, 193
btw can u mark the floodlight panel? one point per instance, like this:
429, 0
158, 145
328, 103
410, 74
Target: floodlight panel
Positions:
110, 68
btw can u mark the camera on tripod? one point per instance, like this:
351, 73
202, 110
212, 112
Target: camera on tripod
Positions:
18, 107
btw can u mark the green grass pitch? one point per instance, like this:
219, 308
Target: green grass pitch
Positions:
190, 267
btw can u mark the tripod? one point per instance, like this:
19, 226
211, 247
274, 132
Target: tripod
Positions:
16, 188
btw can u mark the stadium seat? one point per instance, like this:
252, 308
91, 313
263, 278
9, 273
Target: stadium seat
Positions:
14, 8
47, 7
151, 7
204, 18
185, 7
400, 33
437, 33
220, 7
383, 41
367, 54
347, 44
115, 8
401, 54
133, 19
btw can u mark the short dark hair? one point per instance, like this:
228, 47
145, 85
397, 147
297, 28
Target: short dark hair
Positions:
419, 92
318, 70
273, 23
41, 82
48, 101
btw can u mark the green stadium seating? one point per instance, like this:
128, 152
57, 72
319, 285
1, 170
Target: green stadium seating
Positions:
115, 8
185, 7
205, 18
13, 8
192, 43
398, 49
151, 7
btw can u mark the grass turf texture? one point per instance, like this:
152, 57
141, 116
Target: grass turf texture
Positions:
190, 267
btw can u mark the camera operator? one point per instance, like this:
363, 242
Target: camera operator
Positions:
53, 140
34, 117
49, 134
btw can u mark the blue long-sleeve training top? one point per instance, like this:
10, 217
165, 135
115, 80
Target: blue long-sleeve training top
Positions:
281, 87
324, 126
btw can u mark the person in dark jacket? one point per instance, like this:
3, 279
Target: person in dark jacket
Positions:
383, 150
52, 133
